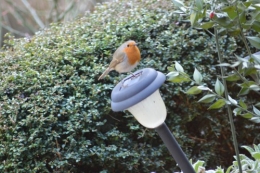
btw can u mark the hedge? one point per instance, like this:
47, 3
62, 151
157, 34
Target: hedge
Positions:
56, 116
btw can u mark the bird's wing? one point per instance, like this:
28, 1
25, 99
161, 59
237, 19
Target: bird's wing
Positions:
118, 57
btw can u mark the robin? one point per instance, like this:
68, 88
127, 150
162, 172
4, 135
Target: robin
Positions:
125, 58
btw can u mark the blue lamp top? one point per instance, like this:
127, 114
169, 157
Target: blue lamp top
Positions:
135, 88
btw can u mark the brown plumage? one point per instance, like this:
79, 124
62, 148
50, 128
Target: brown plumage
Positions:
125, 58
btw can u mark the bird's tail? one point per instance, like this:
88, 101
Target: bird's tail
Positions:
104, 73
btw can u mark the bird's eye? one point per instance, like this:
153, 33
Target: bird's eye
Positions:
128, 45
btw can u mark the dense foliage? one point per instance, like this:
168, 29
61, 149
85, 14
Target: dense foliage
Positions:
56, 116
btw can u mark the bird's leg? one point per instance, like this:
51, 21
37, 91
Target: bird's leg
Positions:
133, 75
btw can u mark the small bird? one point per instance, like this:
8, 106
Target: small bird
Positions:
125, 58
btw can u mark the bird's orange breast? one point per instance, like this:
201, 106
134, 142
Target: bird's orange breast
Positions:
133, 54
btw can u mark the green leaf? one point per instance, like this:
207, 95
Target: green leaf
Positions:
255, 41
257, 147
171, 68
256, 111
206, 25
234, 32
246, 25
258, 104
256, 26
224, 21
234, 102
243, 91
173, 74
256, 59
237, 111
255, 119
256, 15
254, 87
202, 87
229, 169
256, 155
232, 78
197, 165
178, 3
224, 65
249, 149
231, 11
219, 87
219, 170
199, 4
193, 90
249, 71
247, 4
177, 77
242, 104
207, 98
242, 17
178, 67
218, 104
193, 18
197, 76
246, 115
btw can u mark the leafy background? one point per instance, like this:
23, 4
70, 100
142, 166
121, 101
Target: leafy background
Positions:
56, 116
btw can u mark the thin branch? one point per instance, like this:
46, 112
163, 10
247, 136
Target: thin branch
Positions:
17, 13
33, 13
68, 9
13, 30
231, 121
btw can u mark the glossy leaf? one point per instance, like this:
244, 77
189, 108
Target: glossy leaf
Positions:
246, 115
255, 41
172, 74
218, 104
256, 155
199, 4
231, 11
219, 87
242, 104
224, 21
243, 91
256, 26
193, 90
178, 67
255, 119
232, 78
180, 78
254, 87
197, 76
178, 3
256, 111
193, 18
201, 87
242, 17
207, 25
232, 100
258, 104
237, 111
207, 98
198, 164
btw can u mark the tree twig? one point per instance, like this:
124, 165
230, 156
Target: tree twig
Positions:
33, 13
230, 116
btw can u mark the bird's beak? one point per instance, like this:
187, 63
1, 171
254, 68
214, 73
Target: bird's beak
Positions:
136, 44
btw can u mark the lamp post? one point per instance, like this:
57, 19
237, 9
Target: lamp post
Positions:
138, 93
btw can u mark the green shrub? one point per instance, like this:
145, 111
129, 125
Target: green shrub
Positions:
56, 115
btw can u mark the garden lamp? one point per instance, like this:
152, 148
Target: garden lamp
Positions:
138, 93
